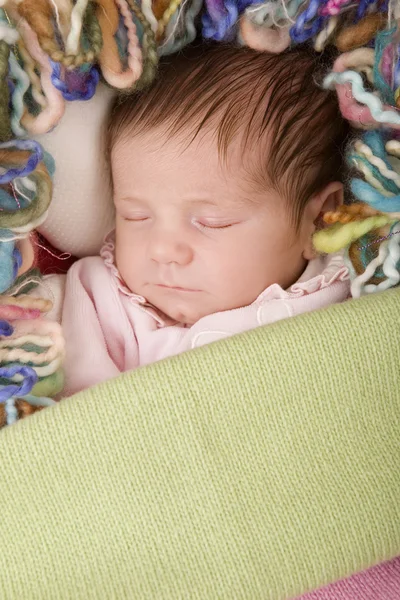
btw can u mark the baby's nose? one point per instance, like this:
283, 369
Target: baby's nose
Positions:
167, 248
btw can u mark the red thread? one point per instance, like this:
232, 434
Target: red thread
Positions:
15, 196
62, 256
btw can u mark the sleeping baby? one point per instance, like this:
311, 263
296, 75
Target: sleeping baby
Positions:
220, 174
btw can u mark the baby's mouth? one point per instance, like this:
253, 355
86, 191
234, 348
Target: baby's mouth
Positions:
175, 288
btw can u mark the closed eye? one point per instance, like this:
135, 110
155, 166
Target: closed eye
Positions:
211, 225
135, 219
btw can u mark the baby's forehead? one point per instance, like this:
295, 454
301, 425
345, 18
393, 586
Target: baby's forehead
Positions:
155, 163
198, 151
162, 145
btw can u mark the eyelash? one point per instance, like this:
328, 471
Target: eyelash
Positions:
197, 223
202, 226
135, 220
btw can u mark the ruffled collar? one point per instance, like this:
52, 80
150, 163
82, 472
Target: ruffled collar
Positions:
107, 253
319, 273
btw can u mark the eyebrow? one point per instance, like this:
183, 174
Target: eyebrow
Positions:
239, 202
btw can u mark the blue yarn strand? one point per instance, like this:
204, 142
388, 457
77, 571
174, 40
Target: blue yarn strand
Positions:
11, 411
366, 193
7, 265
388, 184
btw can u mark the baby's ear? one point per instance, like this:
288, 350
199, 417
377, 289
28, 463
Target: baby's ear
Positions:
331, 196
325, 201
328, 199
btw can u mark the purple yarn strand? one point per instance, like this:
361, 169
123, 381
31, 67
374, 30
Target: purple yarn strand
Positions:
6, 329
224, 27
17, 257
215, 9
78, 86
301, 31
362, 7
397, 74
31, 163
18, 389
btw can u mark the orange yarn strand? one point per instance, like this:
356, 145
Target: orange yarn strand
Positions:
352, 212
39, 14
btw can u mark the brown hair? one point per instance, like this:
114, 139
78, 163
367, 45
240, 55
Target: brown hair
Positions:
271, 100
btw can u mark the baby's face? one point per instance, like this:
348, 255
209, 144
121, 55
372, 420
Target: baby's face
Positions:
192, 236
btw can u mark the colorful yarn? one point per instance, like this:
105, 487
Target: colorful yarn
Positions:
349, 212
6, 328
378, 186
76, 17
389, 259
181, 29
5, 121
21, 86
262, 38
333, 7
149, 48
170, 11
11, 411
50, 100
309, 22
326, 34
147, 9
38, 14
77, 85
31, 350
42, 305
339, 236
38, 343
17, 312
24, 407
51, 385
383, 65
31, 164
363, 190
219, 23
21, 216
373, 113
29, 378
272, 13
360, 34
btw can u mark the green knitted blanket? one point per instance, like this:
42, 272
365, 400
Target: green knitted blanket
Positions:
258, 467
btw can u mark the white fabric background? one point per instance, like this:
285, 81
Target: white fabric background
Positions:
81, 212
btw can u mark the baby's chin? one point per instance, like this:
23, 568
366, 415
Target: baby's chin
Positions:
186, 312
186, 315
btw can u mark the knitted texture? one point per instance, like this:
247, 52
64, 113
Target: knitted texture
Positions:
246, 469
